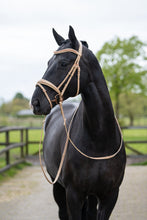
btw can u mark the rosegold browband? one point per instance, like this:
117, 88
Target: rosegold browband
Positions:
66, 80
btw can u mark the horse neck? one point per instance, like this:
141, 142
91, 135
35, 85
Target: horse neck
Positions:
98, 114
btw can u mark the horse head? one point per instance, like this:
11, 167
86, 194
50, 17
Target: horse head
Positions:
66, 74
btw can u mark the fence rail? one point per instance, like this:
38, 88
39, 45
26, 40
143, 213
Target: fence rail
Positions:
25, 142
23, 145
127, 143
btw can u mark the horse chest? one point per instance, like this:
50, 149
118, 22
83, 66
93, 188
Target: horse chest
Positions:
90, 176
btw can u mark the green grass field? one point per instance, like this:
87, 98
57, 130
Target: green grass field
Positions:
34, 135
136, 135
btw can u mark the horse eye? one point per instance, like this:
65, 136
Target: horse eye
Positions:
64, 64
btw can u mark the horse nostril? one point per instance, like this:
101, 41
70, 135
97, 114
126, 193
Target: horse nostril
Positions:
36, 104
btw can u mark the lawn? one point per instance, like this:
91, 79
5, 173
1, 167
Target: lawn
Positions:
136, 135
15, 137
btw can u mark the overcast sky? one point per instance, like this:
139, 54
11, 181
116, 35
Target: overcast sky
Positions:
26, 41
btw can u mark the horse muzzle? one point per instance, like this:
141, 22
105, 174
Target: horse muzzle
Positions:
38, 109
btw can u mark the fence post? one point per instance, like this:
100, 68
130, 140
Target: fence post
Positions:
27, 139
7, 152
21, 140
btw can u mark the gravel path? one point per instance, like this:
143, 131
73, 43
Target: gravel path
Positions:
28, 196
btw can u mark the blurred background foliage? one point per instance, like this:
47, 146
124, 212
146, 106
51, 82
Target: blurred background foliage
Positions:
124, 64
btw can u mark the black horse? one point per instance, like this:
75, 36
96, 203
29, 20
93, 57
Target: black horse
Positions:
87, 189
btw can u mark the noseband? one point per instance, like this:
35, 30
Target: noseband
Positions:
66, 80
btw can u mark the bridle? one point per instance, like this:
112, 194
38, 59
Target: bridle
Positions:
65, 84
66, 80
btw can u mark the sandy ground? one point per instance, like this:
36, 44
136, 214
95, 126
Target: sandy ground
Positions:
28, 196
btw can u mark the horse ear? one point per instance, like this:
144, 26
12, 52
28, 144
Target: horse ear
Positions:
84, 43
58, 38
72, 37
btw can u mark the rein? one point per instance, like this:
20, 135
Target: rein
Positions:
67, 79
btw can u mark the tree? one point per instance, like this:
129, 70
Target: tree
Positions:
19, 95
123, 64
18, 103
133, 105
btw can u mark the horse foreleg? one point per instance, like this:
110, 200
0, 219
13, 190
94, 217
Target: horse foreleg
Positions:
84, 210
60, 198
106, 205
89, 210
75, 203
92, 208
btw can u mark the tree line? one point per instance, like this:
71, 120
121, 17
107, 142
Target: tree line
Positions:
12, 107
